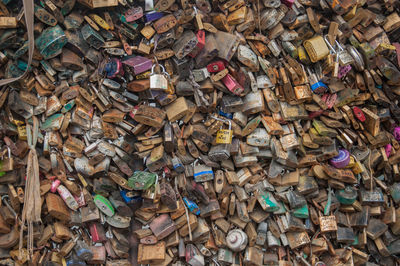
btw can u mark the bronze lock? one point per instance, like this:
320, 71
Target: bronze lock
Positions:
7, 164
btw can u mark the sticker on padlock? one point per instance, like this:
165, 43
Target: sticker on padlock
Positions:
159, 81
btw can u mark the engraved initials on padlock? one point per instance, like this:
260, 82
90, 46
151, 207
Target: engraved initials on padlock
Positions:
158, 81
224, 136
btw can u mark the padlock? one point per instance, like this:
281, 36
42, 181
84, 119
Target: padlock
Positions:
151, 253
168, 196
158, 81
141, 180
335, 54
232, 85
7, 164
104, 205
193, 255
221, 151
200, 35
82, 250
177, 164
185, 45
181, 66
133, 14
202, 173
139, 64
162, 226
192, 206
316, 48
57, 208
253, 256
51, 41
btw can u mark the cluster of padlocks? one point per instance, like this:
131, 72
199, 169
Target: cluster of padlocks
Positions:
199, 132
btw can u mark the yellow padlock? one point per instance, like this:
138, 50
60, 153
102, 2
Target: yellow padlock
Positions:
224, 136
100, 21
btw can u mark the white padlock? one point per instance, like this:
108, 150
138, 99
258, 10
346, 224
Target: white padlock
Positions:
158, 81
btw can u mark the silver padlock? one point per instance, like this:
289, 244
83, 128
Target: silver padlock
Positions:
200, 74
159, 81
344, 57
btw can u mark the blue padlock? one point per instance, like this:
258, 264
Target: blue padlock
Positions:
227, 115
129, 196
192, 206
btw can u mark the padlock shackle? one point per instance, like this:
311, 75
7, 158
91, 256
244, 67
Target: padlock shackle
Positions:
333, 51
152, 69
223, 120
339, 46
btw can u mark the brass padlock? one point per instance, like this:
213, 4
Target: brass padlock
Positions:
7, 164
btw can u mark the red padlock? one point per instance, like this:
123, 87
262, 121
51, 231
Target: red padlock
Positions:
201, 37
288, 3
315, 114
358, 113
97, 232
329, 99
216, 66
232, 84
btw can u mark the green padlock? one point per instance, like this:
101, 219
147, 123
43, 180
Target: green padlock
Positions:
141, 180
346, 196
104, 205
301, 212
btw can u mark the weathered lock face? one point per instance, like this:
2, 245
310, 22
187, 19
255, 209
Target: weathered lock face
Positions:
51, 41
232, 85
141, 180
165, 39
158, 82
328, 223
227, 44
200, 74
219, 152
247, 57
133, 14
186, 43
200, 35
92, 37
203, 173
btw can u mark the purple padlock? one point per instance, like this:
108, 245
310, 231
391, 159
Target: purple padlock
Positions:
114, 68
396, 133
341, 160
152, 16
343, 70
139, 64
388, 150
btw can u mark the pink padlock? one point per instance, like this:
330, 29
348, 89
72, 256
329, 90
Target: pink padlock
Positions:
396, 133
55, 185
67, 197
81, 199
133, 14
288, 3
232, 85
388, 150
